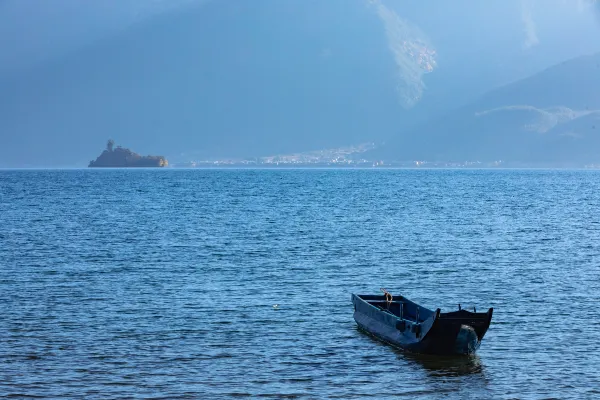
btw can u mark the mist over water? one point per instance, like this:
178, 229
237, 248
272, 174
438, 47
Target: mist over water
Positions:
162, 283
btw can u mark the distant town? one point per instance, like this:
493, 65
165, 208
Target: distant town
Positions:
342, 156
349, 156
355, 157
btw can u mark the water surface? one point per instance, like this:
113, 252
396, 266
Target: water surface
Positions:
161, 283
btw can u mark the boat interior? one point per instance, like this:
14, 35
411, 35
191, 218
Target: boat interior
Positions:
398, 306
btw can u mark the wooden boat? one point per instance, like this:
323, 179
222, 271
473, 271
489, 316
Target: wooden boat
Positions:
404, 324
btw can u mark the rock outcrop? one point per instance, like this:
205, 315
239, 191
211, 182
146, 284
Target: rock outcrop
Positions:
120, 157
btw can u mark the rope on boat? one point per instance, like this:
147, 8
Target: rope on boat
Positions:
388, 297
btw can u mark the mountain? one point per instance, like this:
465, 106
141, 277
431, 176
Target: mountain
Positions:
552, 117
237, 78
225, 79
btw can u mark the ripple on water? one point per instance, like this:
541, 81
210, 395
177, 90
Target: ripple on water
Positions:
161, 284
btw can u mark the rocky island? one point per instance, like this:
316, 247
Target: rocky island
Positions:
120, 157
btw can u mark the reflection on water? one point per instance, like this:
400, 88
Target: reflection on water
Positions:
435, 365
445, 365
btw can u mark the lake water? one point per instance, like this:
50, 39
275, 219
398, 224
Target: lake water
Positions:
161, 283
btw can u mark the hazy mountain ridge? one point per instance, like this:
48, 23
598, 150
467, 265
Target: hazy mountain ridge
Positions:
532, 119
187, 81
549, 117
236, 79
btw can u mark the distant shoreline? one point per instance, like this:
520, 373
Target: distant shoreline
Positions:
286, 168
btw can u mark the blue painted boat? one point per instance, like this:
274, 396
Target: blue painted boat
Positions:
409, 326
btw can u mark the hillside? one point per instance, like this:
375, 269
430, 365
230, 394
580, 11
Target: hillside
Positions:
237, 79
551, 117
231, 79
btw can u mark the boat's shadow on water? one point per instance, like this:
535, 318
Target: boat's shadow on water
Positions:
451, 366
436, 365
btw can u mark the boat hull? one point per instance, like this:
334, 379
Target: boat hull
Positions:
420, 330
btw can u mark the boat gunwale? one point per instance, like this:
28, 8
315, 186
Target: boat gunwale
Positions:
457, 314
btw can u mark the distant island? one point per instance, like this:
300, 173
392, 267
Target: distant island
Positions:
120, 157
